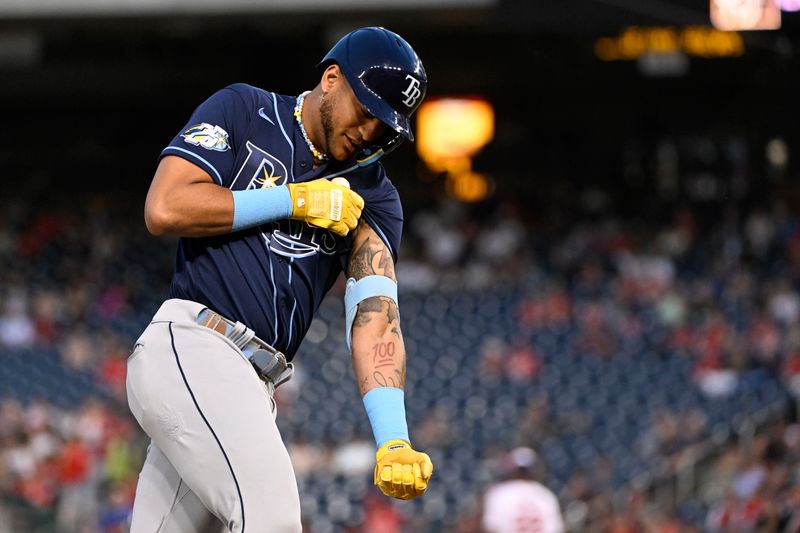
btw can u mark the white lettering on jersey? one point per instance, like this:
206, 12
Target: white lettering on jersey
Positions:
299, 240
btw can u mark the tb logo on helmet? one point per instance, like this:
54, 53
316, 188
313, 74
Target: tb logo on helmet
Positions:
412, 92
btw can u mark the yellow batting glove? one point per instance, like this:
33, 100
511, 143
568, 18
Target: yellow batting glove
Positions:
400, 471
327, 205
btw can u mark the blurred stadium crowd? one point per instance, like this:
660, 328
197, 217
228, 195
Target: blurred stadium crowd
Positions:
623, 352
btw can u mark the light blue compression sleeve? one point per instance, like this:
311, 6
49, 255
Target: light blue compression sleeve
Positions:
387, 414
259, 206
357, 291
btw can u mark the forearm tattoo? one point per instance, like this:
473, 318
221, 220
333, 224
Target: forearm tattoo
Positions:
395, 379
387, 357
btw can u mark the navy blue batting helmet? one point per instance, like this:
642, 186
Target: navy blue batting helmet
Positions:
384, 72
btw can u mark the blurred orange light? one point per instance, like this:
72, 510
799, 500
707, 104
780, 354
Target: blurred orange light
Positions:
452, 129
468, 186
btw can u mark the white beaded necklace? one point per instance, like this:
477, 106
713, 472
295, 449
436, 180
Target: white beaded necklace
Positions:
298, 112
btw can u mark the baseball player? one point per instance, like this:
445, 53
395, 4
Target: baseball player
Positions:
272, 197
518, 503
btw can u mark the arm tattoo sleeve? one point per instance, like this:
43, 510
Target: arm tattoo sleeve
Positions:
384, 356
372, 258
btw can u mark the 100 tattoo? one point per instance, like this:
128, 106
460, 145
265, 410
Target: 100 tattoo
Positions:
382, 353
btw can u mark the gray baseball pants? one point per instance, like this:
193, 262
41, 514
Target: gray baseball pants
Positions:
216, 461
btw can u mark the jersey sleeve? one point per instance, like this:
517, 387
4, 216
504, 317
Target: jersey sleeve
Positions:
382, 208
209, 138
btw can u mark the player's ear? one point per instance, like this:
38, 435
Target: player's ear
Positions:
330, 77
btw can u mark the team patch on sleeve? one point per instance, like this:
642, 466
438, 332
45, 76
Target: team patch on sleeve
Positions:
208, 136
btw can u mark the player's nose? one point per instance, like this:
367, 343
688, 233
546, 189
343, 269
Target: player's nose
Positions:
371, 130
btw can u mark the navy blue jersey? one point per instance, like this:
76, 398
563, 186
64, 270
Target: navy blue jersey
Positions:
273, 277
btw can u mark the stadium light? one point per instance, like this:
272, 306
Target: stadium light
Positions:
450, 129
450, 132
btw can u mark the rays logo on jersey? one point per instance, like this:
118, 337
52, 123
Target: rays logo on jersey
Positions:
260, 168
269, 178
208, 136
297, 240
288, 238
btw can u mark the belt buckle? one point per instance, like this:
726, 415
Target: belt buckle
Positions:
269, 364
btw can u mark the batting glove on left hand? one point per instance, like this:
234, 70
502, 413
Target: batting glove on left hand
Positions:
400, 471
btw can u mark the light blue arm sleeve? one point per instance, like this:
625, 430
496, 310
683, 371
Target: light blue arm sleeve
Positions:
254, 207
387, 414
358, 291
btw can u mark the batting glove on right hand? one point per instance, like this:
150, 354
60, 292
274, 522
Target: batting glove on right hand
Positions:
400, 471
327, 205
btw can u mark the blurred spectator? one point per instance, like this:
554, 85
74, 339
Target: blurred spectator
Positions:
500, 237
550, 306
712, 373
413, 272
116, 509
784, 303
380, 516
765, 339
759, 231
492, 353
78, 350
662, 439
596, 337
76, 504
307, 457
16, 327
442, 234
720, 475
435, 430
579, 488
47, 316
112, 367
645, 275
353, 457
671, 309
713, 378
536, 422
518, 503
522, 362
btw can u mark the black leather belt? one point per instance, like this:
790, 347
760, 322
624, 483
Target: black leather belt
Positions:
270, 364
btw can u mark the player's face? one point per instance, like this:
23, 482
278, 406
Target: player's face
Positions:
347, 125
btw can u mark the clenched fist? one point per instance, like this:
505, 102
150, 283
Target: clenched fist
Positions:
327, 205
400, 471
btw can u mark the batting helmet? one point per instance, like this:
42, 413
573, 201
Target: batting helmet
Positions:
384, 72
